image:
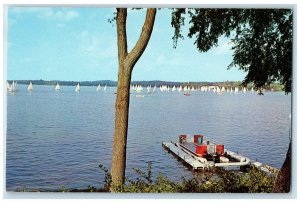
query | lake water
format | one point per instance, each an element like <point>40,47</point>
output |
<point>60,138</point>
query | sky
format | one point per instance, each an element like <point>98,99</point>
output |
<point>79,44</point>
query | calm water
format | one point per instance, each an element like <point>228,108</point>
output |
<point>60,138</point>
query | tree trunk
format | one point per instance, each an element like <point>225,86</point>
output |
<point>283,180</point>
<point>121,126</point>
<point>126,64</point>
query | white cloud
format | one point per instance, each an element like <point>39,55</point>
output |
<point>48,13</point>
<point>24,9</point>
<point>60,15</point>
<point>92,44</point>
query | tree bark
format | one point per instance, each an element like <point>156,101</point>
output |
<point>283,180</point>
<point>126,64</point>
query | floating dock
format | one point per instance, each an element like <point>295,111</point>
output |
<point>184,156</point>
<point>199,162</point>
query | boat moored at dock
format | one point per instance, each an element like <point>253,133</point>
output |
<point>201,152</point>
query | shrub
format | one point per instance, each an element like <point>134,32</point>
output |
<point>222,181</point>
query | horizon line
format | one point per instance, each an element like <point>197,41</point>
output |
<point>117,81</point>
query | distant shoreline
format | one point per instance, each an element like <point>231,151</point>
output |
<point>114,83</point>
<point>158,83</point>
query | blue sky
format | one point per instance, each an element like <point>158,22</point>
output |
<point>78,44</point>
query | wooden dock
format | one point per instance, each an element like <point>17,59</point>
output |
<point>184,156</point>
<point>197,163</point>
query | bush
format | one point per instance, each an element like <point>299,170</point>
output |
<point>254,181</point>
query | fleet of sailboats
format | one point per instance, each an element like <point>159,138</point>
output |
<point>11,87</point>
<point>163,88</point>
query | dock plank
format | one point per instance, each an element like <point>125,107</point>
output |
<point>190,160</point>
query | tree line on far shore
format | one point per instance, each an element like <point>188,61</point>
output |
<point>273,86</point>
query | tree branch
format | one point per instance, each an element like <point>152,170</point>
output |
<point>143,40</point>
<point>121,33</point>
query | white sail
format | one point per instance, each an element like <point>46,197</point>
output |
<point>154,88</point>
<point>57,87</point>
<point>98,87</point>
<point>77,89</point>
<point>236,89</point>
<point>8,86</point>
<point>180,88</point>
<point>174,88</point>
<point>139,88</point>
<point>30,87</point>
<point>14,86</point>
<point>105,87</point>
<point>244,90</point>
<point>149,89</point>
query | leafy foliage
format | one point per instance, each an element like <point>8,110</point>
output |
<point>261,38</point>
<point>107,179</point>
<point>219,181</point>
<point>254,181</point>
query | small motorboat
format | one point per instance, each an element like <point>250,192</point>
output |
<point>201,152</point>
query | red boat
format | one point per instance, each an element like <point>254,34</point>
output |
<point>200,146</point>
<point>201,152</point>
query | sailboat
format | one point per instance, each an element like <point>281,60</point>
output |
<point>139,88</point>
<point>154,88</point>
<point>174,88</point>
<point>236,89</point>
<point>98,87</point>
<point>8,86</point>
<point>105,87</point>
<point>30,88</point>
<point>149,89</point>
<point>14,86</point>
<point>57,87</point>
<point>77,89</point>
<point>180,88</point>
